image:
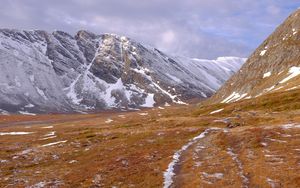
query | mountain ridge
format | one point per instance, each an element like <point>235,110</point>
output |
<point>56,72</point>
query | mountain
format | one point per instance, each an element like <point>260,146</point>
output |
<point>43,72</point>
<point>273,67</point>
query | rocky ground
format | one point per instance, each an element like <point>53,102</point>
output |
<point>251,143</point>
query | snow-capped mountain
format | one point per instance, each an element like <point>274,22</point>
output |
<point>273,67</point>
<point>44,72</point>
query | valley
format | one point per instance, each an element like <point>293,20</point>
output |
<point>103,110</point>
<point>176,146</point>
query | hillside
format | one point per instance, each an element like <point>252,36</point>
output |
<point>274,66</point>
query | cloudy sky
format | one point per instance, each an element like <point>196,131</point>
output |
<point>194,28</point>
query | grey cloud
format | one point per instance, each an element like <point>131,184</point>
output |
<point>196,28</point>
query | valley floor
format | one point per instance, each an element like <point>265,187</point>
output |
<point>179,146</point>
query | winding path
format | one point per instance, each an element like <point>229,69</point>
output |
<point>169,174</point>
<point>242,157</point>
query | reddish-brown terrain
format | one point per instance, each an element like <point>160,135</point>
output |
<point>135,149</point>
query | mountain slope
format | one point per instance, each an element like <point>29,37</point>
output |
<point>42,72</point>
<point>274,66</point>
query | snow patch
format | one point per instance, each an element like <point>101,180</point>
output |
<point>52,133</point>
<point>109,121</point>
<point>72,94</point>
<point>294,71</point>
<point>167,104</point>
<point>290,126</point>
<point>149,101</point>
<point>3,161</point>
<point>264,144</point>
<point>143,114</point>
<point>15,133</point>
<point>234,97</point>
<point>73,161</point>
<point>203,94</point>
<point>54,143</point>
<point>269,89</point>
<point>263,52</point>
<point>27,113</point>
<point>29,105</point>
<point>174,98</point>
<point>216,111</point>
<point>47,127</point>
<point>294,31</point>
<point>268,74</point>
<point>292,88</point>
<point>4,112</point>
<point>41,93</point>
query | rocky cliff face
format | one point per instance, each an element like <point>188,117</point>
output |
<point>42,72</point>
<point>274,66</point>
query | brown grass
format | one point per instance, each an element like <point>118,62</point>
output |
<point>135,151</point>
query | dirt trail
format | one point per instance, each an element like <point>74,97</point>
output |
<point>242,157</point>
<point>203,166</point>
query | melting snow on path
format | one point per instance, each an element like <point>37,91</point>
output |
<point>235,158</point>
<point>15,133</point>
<point>215,175</point>
<point>169,173</point>
<point>271,182</point>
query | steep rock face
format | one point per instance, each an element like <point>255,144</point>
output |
<point>42,72</point>
<point>274,66</point>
